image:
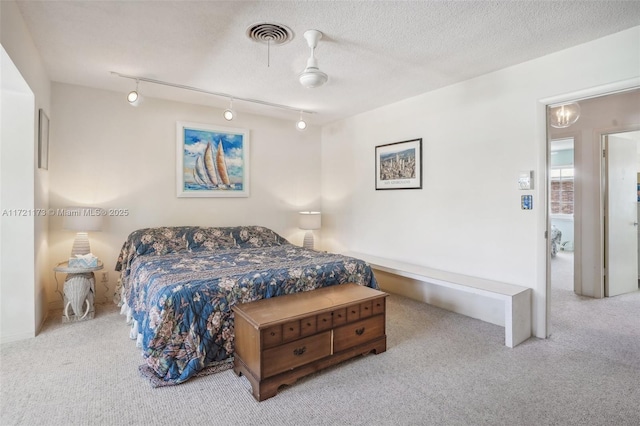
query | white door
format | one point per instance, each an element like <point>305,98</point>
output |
<point>621,222</point>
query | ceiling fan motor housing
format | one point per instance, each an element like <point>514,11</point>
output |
<point>312,77</point>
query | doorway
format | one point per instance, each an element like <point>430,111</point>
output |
<point>606,114</point>
<point>561,208</point>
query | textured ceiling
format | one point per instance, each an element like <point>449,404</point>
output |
<point>375,52</point>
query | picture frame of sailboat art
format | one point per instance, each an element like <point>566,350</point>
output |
<point>212,161</point>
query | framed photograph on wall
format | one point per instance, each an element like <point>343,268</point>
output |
<point>43,140</point>
<point>399,165</point>
<point>212,161</point>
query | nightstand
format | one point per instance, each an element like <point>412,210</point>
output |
<point>78,291</point>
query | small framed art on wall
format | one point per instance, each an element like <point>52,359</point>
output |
<point>399,165</point>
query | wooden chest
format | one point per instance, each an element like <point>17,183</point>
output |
<point>281,339</point>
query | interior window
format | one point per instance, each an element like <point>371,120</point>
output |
<point>562,190</point>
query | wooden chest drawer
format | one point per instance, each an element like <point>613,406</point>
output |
<point>353,313</point>
<point>308,326</point>
<point>377,306</point>
<point>365,309</point>
<point>324,321</point>
<point>295,354</point>
<point>339,317</point>
<point>290,331</point>
<point>356,333</point>
<point>272,336</point>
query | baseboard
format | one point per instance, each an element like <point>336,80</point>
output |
<point>14,337</point>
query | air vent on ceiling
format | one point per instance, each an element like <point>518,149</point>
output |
<point>269,33</point>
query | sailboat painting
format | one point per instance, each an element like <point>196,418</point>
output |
<point>212,161</point>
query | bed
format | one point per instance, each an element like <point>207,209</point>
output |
<point>177,286</point>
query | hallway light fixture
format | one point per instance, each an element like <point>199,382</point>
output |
<point>301,124</point>
<point>131,98</point>
<point>134,97</point>
<point>229,114</point>
<point>563,116</point>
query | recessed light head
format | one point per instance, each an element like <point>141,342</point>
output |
<point>229,113</point>
<point>134,97</point>
<point>301,124</point>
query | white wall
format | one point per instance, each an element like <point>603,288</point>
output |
<point>477,136</point>
<point>109,154</point>
<point>17,202</point>
<point>30,310</point>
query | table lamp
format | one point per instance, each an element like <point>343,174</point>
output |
<point>82,220</point>
<point>309,221</point>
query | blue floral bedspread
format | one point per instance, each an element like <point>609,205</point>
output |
<point>182,300</point>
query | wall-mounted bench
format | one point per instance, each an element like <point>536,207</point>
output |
<point>517,299</point>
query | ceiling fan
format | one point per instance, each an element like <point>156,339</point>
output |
<point>312,77</point>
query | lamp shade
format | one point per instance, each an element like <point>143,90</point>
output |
<point>82,219</point>
<point>310,220</point>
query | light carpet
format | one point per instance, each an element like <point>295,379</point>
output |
<point>440,368</point>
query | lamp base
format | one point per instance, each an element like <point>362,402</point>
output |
<point>81,244</point>
<point>308,240</point>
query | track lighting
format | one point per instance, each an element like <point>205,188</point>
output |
<point>228,113</point>
<point>301,124</point>
<point>134,97</point>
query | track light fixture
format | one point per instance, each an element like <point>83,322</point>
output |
<point>301,124</point>
<point>229,114</point>
<point>134,97</point>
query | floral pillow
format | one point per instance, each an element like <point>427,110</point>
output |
<point>151,241</point>
<point>257,236</point>
<point>201,238</point>
<point>160,241</point>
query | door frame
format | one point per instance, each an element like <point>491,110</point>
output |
<point>543,264</point>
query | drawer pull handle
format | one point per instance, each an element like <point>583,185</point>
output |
<point>308,324</point>
<point>324,320</point>
<point>353,312</point>
<point>290,328</point>
<point>273,333</point>
<point>300,351</point>
<point>359,331</point>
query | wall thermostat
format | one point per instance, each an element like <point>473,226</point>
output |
<point>525,180</point>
